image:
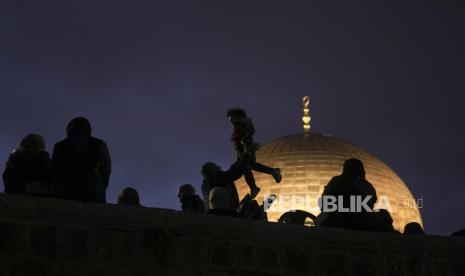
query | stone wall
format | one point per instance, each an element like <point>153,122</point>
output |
<point>41,236</point>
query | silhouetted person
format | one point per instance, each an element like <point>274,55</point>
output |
<point>243,131</point>
<point>350,185</point>
<point>413,228</point>
<point>250,209</point>
<point>29,168</point>
<point>213,177</point>
<point>129,196</point>
<point>81,164</point>
<point>220,203</point>
<point>296,217</point>
<point>191,203</point>
<point>385,221</point>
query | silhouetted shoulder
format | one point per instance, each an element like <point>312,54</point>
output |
<point>61,143</point>
<point>96,140</point>
<point>332,184</point>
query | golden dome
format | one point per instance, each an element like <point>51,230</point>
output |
<point>309,160</point>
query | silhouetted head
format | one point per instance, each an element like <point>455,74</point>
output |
<point>78,127</point>
<point>219,199</point>
<point>186,191</point>
<point>236,114</point>
<point>129,196</point>
<point>353,167</point>
<point>32,142</point>
<point>209,170</point>
<point>413,228</point>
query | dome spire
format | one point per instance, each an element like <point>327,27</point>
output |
<point>306,118</point>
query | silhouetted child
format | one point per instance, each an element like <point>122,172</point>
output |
<point>81,164</point>
<point>243,131</point>
<point>29,168</point>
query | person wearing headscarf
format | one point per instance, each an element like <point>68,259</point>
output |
<point>346,191</point>
<point>28,166</point>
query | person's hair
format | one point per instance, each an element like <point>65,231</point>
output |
<point>129,196</point>
<point>354,167</point>
<point>186,189</point>
<point>413,228</point>
<point>33,142</point>
<point>79,126</point>
<point>236,112</point>
<point>208,168</point>
<point>219,198</point>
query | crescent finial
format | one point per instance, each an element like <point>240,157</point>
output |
<point>306,118</point>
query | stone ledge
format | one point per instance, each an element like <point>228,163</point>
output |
<point>45,236</point>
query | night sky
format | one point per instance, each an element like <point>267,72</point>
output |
<point>155,79</point>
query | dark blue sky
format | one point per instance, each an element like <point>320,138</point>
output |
<point>155,78</point>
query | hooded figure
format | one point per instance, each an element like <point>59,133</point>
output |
<point>81,164</point>
<point>351,185</point>
<point>27,165</point>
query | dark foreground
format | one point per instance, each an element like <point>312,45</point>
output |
<point>45,236</point>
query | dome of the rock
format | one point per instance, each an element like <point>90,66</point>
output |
<point>309,160</point>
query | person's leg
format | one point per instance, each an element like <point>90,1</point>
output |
<point>250,180</point>
<point>275,172</point>
<point>261,168</point>
<point>248,176</point>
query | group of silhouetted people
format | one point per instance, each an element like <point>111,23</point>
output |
<point>221,197</point>
<point>218,201</point>
<point>80,169</point>
<point>219,191</point>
